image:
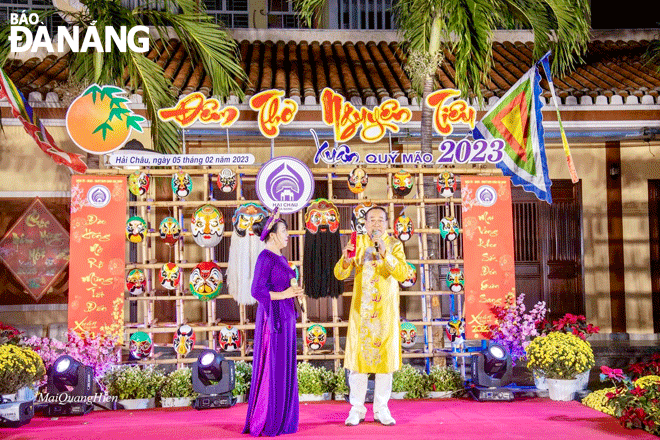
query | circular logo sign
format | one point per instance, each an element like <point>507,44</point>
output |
<point>286,183</point>
<point>98,196</point>
<point>486,195</point>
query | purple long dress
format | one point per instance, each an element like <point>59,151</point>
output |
<point>273,403</point>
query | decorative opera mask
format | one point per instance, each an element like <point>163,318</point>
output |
<point>402,183</point>
<point>140,345</point>
<point>181,184</point>
<point>455,330</point>
<point>230,338</point>
<point>247,215</point>
<point>358,217</point>
<point>446,184</point>
<point>206,280</point>
<point>136,282</point>
<point>138,183</point>
<point>170,230</point>
<point>227,180</point>
<point>455,280</point>
<point>169,276</point>
<point>408,334</point>
<point>357,180</point>
<point>136,229</point>
<point>411,278</point>
<point>449,228</point>
<point>184,339</point>
<point>297,271</point>
<point>322,214</point>
<point>403,228</point>
<point>315,336</point>
<point>207,227</point>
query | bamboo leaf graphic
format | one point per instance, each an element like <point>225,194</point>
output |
<point>105,127</point>
<point>109,91</point>
<point>132,121</point>
<point>116,101</point>
<point>94,90</point>
<point>117,112</point>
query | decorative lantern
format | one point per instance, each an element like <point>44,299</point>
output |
<point>138,183</point>
<point>170,230</point>
<point>184,340</point>
<point>207,227</point>
<point>315,336</point>
<point>408,334</point>
<point>322,214</point>
<point>358,217</point>
<point>411,278</point>
<point>247,215</point>
<point>136,229</point>
<point>181,184</point>
<point>206,280</point>
<point>357,180</point>
<point>449,228</point>
<point>455,280</point>
<point>169,276</point>
<point>446,184</point>
<point>403,228</point>
<point>227,180</point>
<point>140,345</point>
<point>230,338</point>
<point>402,183</point>
<point>136,282</point>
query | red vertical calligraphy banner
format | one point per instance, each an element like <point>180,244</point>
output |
<point>97,250</point>
<point>487,249</point>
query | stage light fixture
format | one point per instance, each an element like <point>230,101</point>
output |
<point>491,371</point>
<point>213,378</point>
<point>15,414</point>
<point>69,382</point>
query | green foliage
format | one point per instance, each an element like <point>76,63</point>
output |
<point>243,378</point>
<point>444,379</point>
<point>178,384</point>
<point>314,380</point>
<point>339,385</point>
<point>134,381</point>
<point>19,367</point>
<point>411,381</point>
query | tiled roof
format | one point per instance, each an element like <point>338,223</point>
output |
<point>366,72</point>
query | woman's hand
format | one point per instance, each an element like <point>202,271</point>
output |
<point>291,292</point>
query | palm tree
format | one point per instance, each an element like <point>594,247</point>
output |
<point>204,40</point>
<point>433,29</point>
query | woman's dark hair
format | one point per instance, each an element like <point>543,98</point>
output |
<point>258,228</point>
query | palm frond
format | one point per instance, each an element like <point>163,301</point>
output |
<point>308,10</point>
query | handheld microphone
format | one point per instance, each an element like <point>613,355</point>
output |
<point>374,235</point>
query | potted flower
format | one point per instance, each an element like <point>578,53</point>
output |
<point>442,382</point>
<point>339,388</point>
<point>408,383</point>
<point>242,382</point>
<point>561,357</point>
<point>314,383</point>
<point>135,386</point>
<point>177,388</point>
<point>19,367</point>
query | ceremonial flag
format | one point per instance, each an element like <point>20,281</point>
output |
<point>516,118</point>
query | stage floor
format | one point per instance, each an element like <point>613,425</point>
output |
<point>531,418</point>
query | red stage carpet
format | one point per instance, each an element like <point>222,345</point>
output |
<point>426,419</point>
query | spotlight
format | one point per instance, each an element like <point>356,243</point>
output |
<point>15,414</point>
<point>69,386</point>
<point>491,370</point>
<point>213,378</point>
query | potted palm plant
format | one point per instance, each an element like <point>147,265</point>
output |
<point>134,386</point>
<point>242,382</point>
<point>314,383</point>
<point>177,389</point>
<point>443,382</point>
<point>408,383</point>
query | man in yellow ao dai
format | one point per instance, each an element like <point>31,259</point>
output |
<point>373,342</point>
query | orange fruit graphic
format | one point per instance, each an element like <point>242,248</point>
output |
<point>98,121</point>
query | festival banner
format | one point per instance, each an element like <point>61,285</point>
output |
<point>488,246</point>
<point>97,246</point>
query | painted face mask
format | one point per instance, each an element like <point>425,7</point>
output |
<point>138,183</point>
<point>357,180</point>
<point>358,217</point>
<point>447,184</point>
<point>455,280</point>
<point>136,282</point>
<point>247,215</point>
<point>181,184</point>
<point>207,226</point>
<point>206,280</point>
<point>402,183</point>
<point>411,278</point>
<point>140,345</point>
<point>403,228</point>
<point>169,276</point>
<point>184,339</point>
<point>455,330</point>
<point>296,270</point>
<point>136,229</point>
<point>229,338</point>
<point>169,230</point>
<point>408,334</point>
<point>227,180</point>
<point>315,336</point>
<point>322,214</point>
<point>449,228</point>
